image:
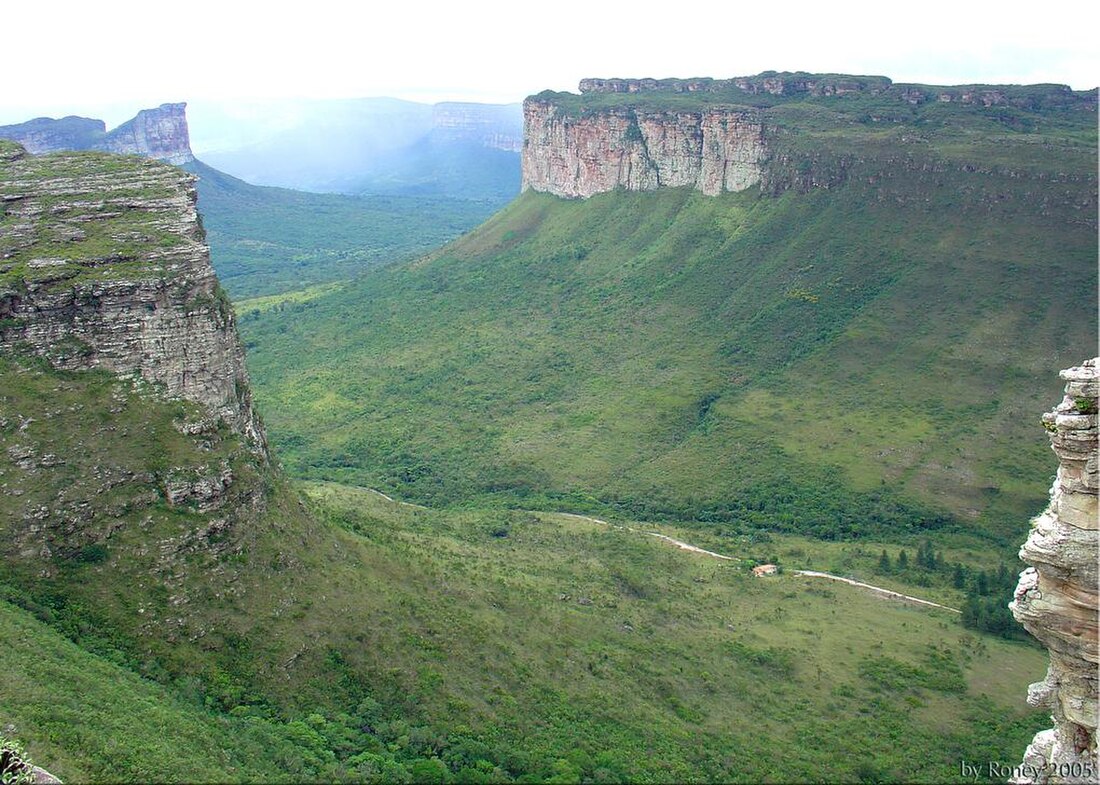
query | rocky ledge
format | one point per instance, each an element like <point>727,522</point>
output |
<point>1056,598</point>
<point>104,264</point>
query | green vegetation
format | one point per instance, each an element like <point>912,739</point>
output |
<point>641,353</point>
<point>357,638</point>
<point>863,100</point>
<point>841,379</point>
<point>16,768</point>
<point>512,646</point>
<point>107,236</point>
<point>267,241</point>
<point>986,607</point>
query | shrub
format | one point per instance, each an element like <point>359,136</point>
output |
<point>15,766</point>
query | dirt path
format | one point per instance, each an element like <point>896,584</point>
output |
<point>805,573</point>
<point>877,589</point>
<point>397,501</point>
<point>686,546</point>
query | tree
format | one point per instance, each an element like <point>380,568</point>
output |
<point>903,561</point>
<point>884,562</point>
<point>981,585</point>
<point>959,578</point>
<point>925,556</point>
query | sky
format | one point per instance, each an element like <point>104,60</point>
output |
<point>110,58</point>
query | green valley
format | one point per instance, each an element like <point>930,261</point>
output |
<point>272,240</point>
<point>359,639</point>
<point>593,419</point>
<point>831,362</point>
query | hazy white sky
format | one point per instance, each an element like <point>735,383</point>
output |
<point>110,58</point>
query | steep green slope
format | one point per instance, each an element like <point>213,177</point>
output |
<point>512,646</point>
<point>364,639</point>
<point>272,240</point>
<point>89,719</point>
<point>801,362</point>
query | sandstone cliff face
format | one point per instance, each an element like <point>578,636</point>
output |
<point>159,133</point>
<point>1056,598</point>
<point>103,264</point>
<point>714,150</point>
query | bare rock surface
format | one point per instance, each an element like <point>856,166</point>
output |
<point>159,133</point>
<point>104,264</point>
<point>713,151</point>
<point>1056,598</point>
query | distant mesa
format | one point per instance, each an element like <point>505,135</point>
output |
<point>796,83</point>
<point>495,126</point>
<point>159,133</point>
<point>728,135</point>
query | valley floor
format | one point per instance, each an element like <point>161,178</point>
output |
<point>535,646</point>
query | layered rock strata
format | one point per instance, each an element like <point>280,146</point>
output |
<point>1056,598</point>
<point>714,150</point>
<point>159,133</point>
<point>786,84</point>
<point>104,264</point>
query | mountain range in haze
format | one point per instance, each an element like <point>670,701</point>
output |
<point>353,146</point>
<point>367,145</point>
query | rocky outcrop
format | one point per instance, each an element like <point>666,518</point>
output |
<point>795,84</point>
<point>159,133</point>
<point>1056,598</point>
<point>775,130</point>
<point>104,264</point>
<point>713,150</point>
<point>496,126</point>
<point>769,82</point>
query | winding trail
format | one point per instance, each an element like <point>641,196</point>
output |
<point>687,546</point>
<point>877,589</point>
<point>397,501</point>
<point>894,595</point>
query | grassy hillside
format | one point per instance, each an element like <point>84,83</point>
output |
<point>512,646</point>
<point>858,360</point>
<point>86,718</point>
<point>267,241</point>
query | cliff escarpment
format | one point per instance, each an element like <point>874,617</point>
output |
<point>793,131</point>
<point>712,151</point>
<point>159,133</point>
<point>1056,598</point>
<point>104,264</point>
<point>140,511</point>
<point>800,84</point>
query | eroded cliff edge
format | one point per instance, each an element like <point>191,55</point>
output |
<point>712,151</point>
<point>104,264</point>
<point>781,132</point>
<point>1056,598</point>
<point>159,133</point>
